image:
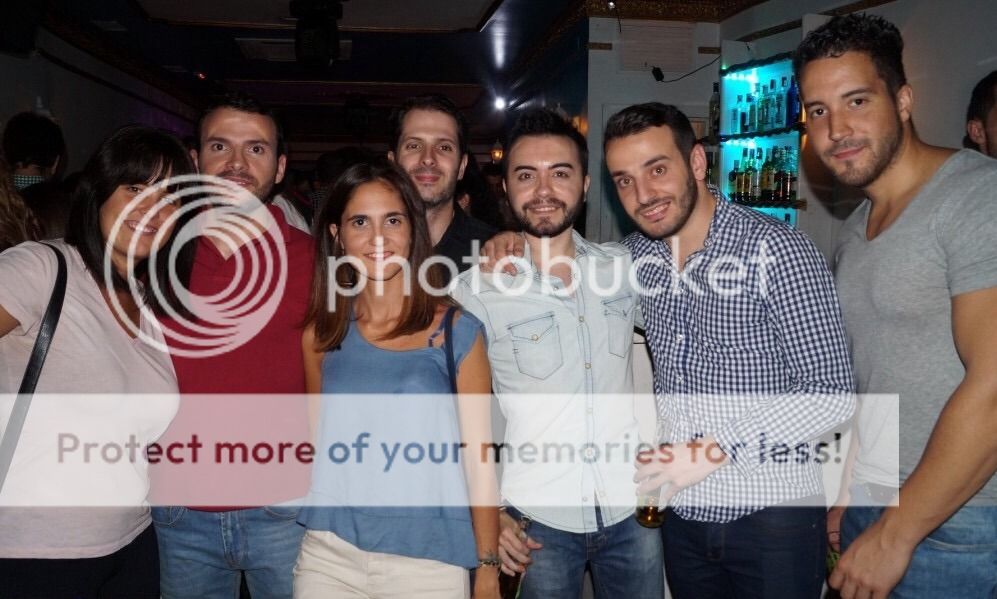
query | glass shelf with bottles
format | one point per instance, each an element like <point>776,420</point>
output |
<point>759,138</point>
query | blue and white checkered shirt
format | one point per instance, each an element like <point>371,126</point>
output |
<point>748,346</point>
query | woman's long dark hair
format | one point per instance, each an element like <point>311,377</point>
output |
<point>419,306</point>
<point>133,154</point>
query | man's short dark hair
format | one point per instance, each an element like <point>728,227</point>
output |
<point>872,35</point>
<point>539,122</point>
<point>243,102</point>
<point>983,99</point>
<point>434,102</point>
<point>641,117</point>
<point>32,139</point>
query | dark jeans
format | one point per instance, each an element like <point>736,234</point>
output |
<point>132,572</point>
<point>776,553</point>
<point>625,559</point>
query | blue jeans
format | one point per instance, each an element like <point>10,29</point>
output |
<point>774,553</point>
<point>202,554</point>
<point>625,560</point>
<point>958,559</point>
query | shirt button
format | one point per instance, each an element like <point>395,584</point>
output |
<point>680,338</point>
<point>679,378</point>
<point>589,453</point>
<point>533,337</point>
<point>588,410</point>
<point>588,365</point>
<point>585,499</point>
<point>581,319</point>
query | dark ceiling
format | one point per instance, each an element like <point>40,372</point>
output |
<point>193,52</point>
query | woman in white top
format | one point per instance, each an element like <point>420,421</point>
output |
<point>75,523</point>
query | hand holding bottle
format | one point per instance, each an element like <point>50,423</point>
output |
<point>514,545</point>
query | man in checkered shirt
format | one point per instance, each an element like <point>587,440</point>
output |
<point>750,368</point>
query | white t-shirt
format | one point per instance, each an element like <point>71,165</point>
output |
<point>91,357</point>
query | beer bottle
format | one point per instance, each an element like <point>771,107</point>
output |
<point>509,585</point>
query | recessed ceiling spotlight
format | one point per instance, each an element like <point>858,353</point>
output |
<point>500,103</point>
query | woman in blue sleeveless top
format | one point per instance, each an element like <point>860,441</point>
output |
<point>388,514</point>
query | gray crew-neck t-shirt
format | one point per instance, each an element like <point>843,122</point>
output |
<point>896,298</point>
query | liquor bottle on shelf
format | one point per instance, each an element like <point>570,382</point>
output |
<point>763,108</point>
<point>715,111</point>
<point>792,103</point>
<point>767,177</point>
<point>756,178</point>
<point>743,108</point>
<point>735,115</point>
<point>779,114</point>
<point>743,179</point>
<point>778,194</point>
<point>732,186</point>
<point>770,114</point>
<point>753,180</point>
<point>790,182</point>
<point>752,113</point>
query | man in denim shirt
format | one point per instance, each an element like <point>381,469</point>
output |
<point>559,342</point>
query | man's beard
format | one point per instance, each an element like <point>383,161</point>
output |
<point>260,190</point>
<point>441,198</point>
<point>683,206</point>
<point>444,196</point>
<point>883,154</point>
<point>546,227</point>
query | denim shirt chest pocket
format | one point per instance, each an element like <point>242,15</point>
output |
<point>619,322</point>
<point>536,344</point>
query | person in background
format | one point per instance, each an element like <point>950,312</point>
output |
<point>33,146</point>
<point>981,116</point>
<point>92,551</point>
<point>17,221</point>
<point>330,166</point>
<point>388,340</point>
<point>494,177</point>
<point>474,197</point>
<point>430,144</point>
<point>916,271</point>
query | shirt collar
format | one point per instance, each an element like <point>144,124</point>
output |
<point>720,215</point>
<point>526,264</point>
<point>279,223</point>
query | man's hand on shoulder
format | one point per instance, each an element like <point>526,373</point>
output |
<point>498,250</point>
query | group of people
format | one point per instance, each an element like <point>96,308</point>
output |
<point>756,346</point>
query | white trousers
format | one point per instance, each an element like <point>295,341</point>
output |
<point>330,567</point>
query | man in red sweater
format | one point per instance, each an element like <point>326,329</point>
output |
<point>205,550</point>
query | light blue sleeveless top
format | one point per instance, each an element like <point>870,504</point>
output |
<point>416,504</point>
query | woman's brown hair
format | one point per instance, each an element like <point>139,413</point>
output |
<point>419,308</point>
<point>17,221</point>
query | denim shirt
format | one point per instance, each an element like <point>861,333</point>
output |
<point>561,367</point>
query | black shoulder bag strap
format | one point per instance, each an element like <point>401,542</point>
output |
<point>448,347</point>
<point>12,432</point>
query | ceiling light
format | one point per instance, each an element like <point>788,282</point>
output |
<point>611,5</point>
<point>500,103</point>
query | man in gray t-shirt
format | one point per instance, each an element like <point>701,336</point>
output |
<point>916,271</point>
